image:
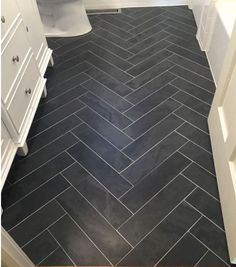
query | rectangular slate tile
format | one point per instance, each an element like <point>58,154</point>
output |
<point>148,52</point>
<point>103,127</point>
<point>97,195</point>
<point>107,95</point>
<point>36,223</point>
<point>59,101</point>
<point>114,182</point>
<point>114,85</point>
<point>193,90</point>
<point>29,164</point>
<point>58,257</point>
<point>150,87</point>
<point>52,133</point>
<point>199,155</point>
<point>15,214</point>
<point>18,190</point>
<point>150,102</point>
<point>196,136</point>
<point>181,34</point>
<point>192,66</point>
<point>181,26</point>
<point>212,237</point>
<point>207,205</point>
<point>117,22</point>
<point>152,248</point>
<point>96,227</point>
<point>153,136</point>
<point>154,181</point>
<point>180,15</point>
<point>145,219</point>
<point>193,251</point>
<point>194,78</point>
<point>203,179</point>
<point>153,158</point>
<point>151,118</point>
<point>149,62</point>
<point>189,55</point>
<point>54,117</point>
<point>110,57</point>
<point>106,111</point>
<point>102,147</point>
<point>193,103</point>
<point>111,69</point>
<point>117,50</point>
<point>149,74</point>
<point>146,42</point>
<point>40,247</point>
<point>76,244</point>
<point>192,117</point>
<point>211,260</point>
<point>60,89</point>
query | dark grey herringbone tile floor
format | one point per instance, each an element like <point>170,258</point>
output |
<point>120,169</point>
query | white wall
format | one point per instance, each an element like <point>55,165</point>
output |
<point>103,4</point>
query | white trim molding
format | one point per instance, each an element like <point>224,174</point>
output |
<point>106,4</point>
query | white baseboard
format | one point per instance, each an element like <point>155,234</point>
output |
<point>106,4</point>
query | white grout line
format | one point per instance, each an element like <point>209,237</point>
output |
<point>176,243</point>
<point>37,210</point>
<point>38,264</point>
<point>90,204</point>
<point>208,248</point>
<point>196,264</point>
<point>61,247</point>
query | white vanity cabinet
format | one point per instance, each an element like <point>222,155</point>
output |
<point>25,56</point>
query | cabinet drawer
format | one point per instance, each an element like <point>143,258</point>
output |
<point>13,57</point>
<point>20,105</point>
<point>9,13</point>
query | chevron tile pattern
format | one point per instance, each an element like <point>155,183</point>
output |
<point>120,168</point>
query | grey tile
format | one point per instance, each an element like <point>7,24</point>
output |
<point>102,234</point>
<point>151,214</point>
<point>76,244</point>
<point>108,81</point>
<point>15,192</point>
<point>198,137</point>
<point>22,209</point>
<point>199,155</point>
<point>111,179</point>
<point>202,178</point>
<point>36,223</point>
<point>211,260</point>
<point>155,181</point>
<point>149,74</point>
<point>151,118</point>
<point>140,168</point>
<point>58,257</point>
<point>181,34</point>
<point>193,251</point>
<point>150,102</point>
<point>40,247</point>
<point>207,205</point>
<point>106,111</point>
<point>29,164</point>
<point>117,22</point>
<point>152,14</point>
<point>104,149</point>
<point>162,238</point>
<point>212,237</point>
<point>193,103</point>
<point>97,195</point>
<point>151,87</point>
<point>107,95</point>
<point>151,137</point>
<point>103,127</point>
<point>181,26</point>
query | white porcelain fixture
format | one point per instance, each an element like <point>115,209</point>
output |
<point>64,18</point>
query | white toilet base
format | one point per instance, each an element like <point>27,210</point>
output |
<point>64,18</point>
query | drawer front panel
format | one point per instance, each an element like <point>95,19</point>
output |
<point>20,105</point>
<point>13,57</point>
<point>9,13</point>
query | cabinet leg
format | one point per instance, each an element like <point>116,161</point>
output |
<point>23,151</point>
<point>51,61</point>
<point>45,92</point>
